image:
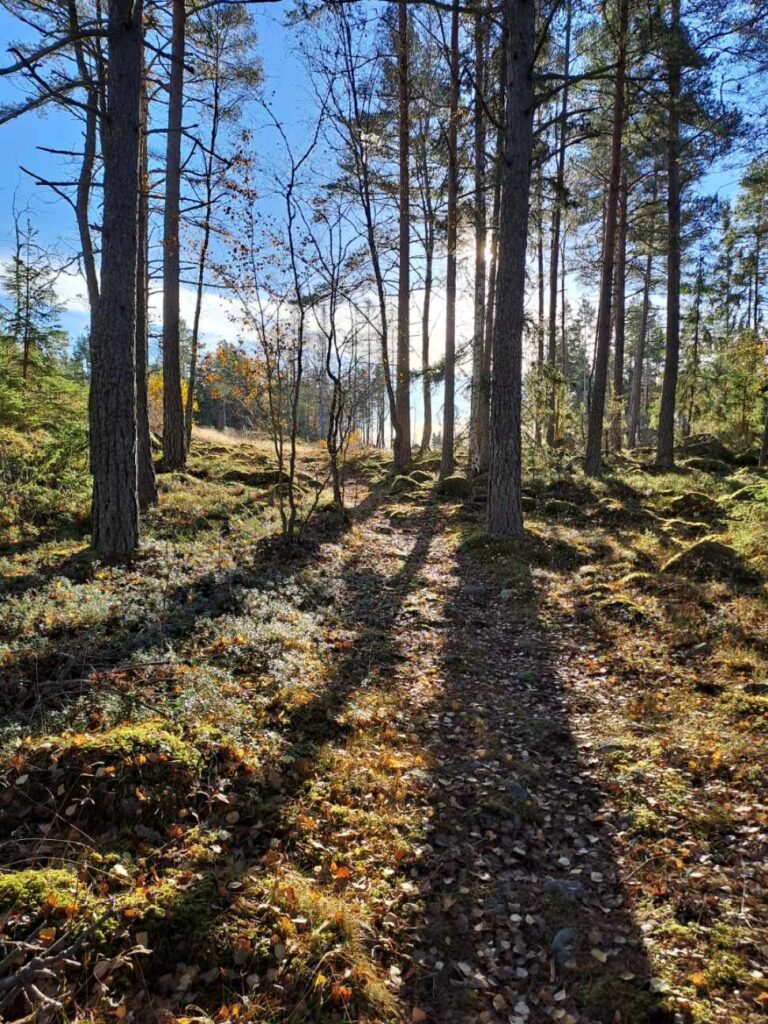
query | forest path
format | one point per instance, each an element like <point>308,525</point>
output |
<point>514,909</point>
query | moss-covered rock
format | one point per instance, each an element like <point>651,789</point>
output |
<point>707,465</point>
<point>709,559</point>
<point>403,485</point>
<point>136,774</point>
<point>560,508</point>
<point>421,476</point>
<point>707,447</point>
<point>693,505</point>
<point>256,477</point>
<point>455,487</point>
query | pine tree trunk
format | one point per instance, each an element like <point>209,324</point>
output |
<point>403,381</point>
<point>505,514</point>
<point>637,372</point>
<point>115,510</point>
<point>147,486</point>
<point>481,234</point>
<point>429,252</point>
<point>593,461</point>
<point>619,327</point>
<point>554,260</point>
<point>449,408</point>
<point>174,442</point>
<point>665,450</point>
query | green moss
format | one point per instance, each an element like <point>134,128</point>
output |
<point>455,487</point>
<point>32,888</point>
<point>610,998</point>
<point>149,737</point>
<point>646,822</point>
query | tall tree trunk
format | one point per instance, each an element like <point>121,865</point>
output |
<point>763,463</point>
<point>484,414</point>
<point>505,513</point>
<point>593,461</point>
<point>147,486</point>
<point>201,264</point>
<point>403,384</point>
<point>665,450</point>
<point>695,360</point>
<point>541,399</point>
<point>619,326</point>
<point>115,509</point>
<point>429,253</point>
<point>449,407</point>
<point>637,372</point>
<point>554,259</point>
<point>174,443</point>
<point>481,235</point>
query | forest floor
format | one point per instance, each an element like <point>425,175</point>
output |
<point>407,773</point>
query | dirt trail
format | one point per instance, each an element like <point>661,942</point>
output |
<point>515,910</point>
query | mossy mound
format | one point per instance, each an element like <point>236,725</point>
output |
<point>403,485</point>
<point>256,477</point>
<point>31,890</point>
<point>455,487</point>
<point>578,492</point>
<point>709,559</point>
<point>561,509</point>
<point>614,510</point>
<point>135,774</point>
<point>707,447</point>
<point>622,609</point>
<point>421,476</point>
<point>706,465</point>
<point>684,528</point>
<point>693,505</point>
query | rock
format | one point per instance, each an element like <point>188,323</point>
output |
<point>421,476</point>
<point>756,689</point>
<point>705,465</point>
<point>693,505</point>
<point>709,559</point>
<point>707,447</point>
<point>566,888</point>
<point>455,487</point>
<point>518,791</point>
<point>403,485</point>
<point>561,509</point>
<point>565,944</point>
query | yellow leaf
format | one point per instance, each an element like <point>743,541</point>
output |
<point>47,935</point>
<point>699,979</point>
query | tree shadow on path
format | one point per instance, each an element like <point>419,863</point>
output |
<point>524,917</point>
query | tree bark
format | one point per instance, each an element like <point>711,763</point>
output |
<point>481,236</point>
<point>593,461</point>
<point>505,514</point>
<point>449,407</point>
<point>637,372</point>
<point>147,486</point>
<point>115,509</point>
<point>174,442</point>
<point>201,264</point>
<point>554,259</point>
<point>403,379</point>
<point>619,328</point>
<point>665,450</point>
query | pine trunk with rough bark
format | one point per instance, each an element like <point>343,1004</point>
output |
<point>481,235</point>
<point>174,441</point>
<point>403,373</point>
<point>115,509</point>
<point>637,372</point>
<point>593,460</point>
<point>665,449</point>
<point>554,258</point>
<point>147,485</point>
<point>505,514</point>
<point>447,460</point>
<point>619,326</point>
